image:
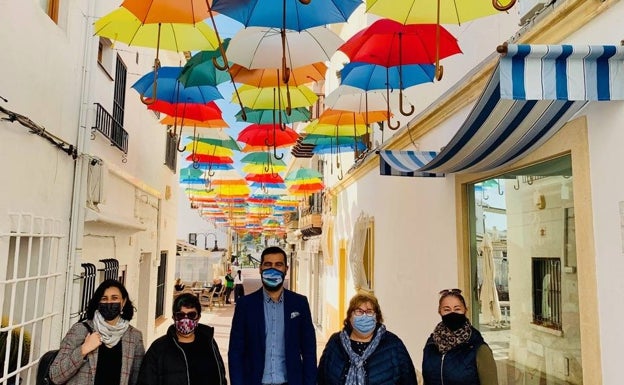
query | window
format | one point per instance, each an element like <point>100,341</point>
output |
<point>522,226</point>
<point>119,101</point>
<point>547,292</point>
<point>51,7</point>
<point>368,260</point>
<point>171,150</point>
<point>106,56</point>
<point>31,284</point>
<point>160,285</point>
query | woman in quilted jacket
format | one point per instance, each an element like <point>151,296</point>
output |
<point>364,352</point>
<point>108,354</point>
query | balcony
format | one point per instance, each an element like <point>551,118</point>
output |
<point>110,128</point>
<point>311,222</point>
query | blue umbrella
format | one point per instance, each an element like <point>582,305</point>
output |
<point>324,144</point>
<point>299,16</point>
<point>171,90</point>
<point>369,77</point>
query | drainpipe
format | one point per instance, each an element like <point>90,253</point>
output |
<point>79,190</point>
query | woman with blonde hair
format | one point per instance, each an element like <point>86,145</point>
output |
<point>365,352</point>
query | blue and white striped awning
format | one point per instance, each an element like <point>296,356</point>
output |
<point>549,84</point>
<point>403,163</point>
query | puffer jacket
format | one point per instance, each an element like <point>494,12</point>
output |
<point>390,363</point>
<point>458,366</point>
<point>165,362</point>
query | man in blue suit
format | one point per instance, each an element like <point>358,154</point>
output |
<point>272,340</point>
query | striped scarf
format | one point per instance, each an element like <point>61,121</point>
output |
<point>357,373</point>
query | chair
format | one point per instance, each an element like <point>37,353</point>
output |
<point>207,298</point>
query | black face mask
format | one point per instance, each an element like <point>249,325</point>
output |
<point>454,321</point>
<point>109,310</point>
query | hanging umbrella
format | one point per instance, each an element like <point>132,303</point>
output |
<point>376,77</point>
<point>294,15</point>
<point>265,98</point>
<point>216,138</point>
<point>197,147</point>
<point>261,168</point>
<point>341,117</point>
<point>209,123</point>
<point>193,111</point>
<point>303,174</point>
<point>168,11</point>
<point>268,135</point>
<point>171,90</point>
<point>264,178</point>
<point>316,128</point>
<point>262,158</point>
<point>200,69</point>
<point>263,116</point>
<point>255,47</point>
<point>210,159</point>
<point>431,11</point>
<point>267,77</point>
<point>330,144</point>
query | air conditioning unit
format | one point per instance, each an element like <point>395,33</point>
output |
<point>96,175</point>
<point>529,8</point>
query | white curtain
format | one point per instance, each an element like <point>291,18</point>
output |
<point>356,252</point>
<point>325,244</point>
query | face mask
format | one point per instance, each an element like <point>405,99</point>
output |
<point>272,279</point>
<point>186,326</point>
<point>454,321</point>
<point>109,310</point>
<point>364,324</point>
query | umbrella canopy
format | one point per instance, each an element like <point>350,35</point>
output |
<point>262,158</point>
<point>264,77</point>
<point>209,123</point>
<point>268,135</point>
<point>376,77</point>
<point>192,111</point>
<point>209,159</point>
<point>171,90</point>
<point>198,147</point>
<point>201,71</point>
<point>122,25</point>
<point>265,178</point>
<point>255,47</point>
<point>426,11</point>
<point>261,168</point>
<point>389,43</point>
<point>331,144</point>
<point>168,11</point>
<point>340,117</point>
<point>272,97</point>
<point>316,128</point>
<point>299,114</point>
<point>303,174</point>
<point>216,138</point>
<point>290,14</point>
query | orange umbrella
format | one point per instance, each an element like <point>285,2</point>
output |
<point>210,123</point>
<point>341,117</point>
<point>271,78</point>
<point>168,11</point>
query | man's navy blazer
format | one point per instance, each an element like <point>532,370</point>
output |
<point>247,340</point>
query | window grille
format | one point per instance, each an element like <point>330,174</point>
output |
<point>88,278</point>
<point>547,292</point>
<point>160,285</point>
<point>111,268</point>
<point>31,280</point>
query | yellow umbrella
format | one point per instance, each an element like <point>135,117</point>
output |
<point>317,128</point>
<point>262,168</point>
<point>276,97</point>
<point>198,147</point>
<point>121,25</point>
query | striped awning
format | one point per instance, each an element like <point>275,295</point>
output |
<point>403,163</point>
<point>548,84</point>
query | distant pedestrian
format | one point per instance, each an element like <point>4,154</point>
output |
<point>239,289</point>
<point>365,352</point>
<point>111,353</point>
<point>229,285</point>
<point>272,339</point>
<point>456,353</point>
<point>188,354</point>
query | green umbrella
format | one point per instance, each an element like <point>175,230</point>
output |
<point>201,71</point>
<point>217,138</point>
<point>262,158</point>
<point>299,114</point>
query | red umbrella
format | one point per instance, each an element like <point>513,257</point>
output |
<point>269,135</point>
<point>264,178</point>
<point>196,111</point>
<point>203,158</point>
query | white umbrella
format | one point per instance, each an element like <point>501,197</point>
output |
<point>256,47</point>
<point>490,306</point>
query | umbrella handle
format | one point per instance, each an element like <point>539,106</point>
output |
<point>288,105</point>
<point>499,7</point>
<point>275,154</point>
<point>401,105</point>
<point>218,66</point>
<point>439,71</point>
<point>152,100</point>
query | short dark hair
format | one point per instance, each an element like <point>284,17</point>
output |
<point>188,300</point>
<point>94,302</point>
<point>273,250</point>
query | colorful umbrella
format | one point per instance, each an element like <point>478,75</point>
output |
<point>216,138</point>
<point>262,158</point>
<point>264,77</point>
<point>432,11</point>
<point>376,77</point>
<point>168,11</point>
<point>171,90</point>
<point>328,129</point>
<point>209,123</point>
<point>299,114</point>
<point>341,117</point>
<point>269,135</point>
<point>200,70</point>
<point>261,168</point>
<point>272,97</point>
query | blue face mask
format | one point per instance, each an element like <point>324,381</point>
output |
<point>364,324</point>
<point>272,279</point>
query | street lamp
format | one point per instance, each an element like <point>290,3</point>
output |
<point>215,248</point>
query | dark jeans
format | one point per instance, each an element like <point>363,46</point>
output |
<point>228,290</point>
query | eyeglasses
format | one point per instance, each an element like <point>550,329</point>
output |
<point>369,312</point>
<point>180,315</point>
<point>446,292</point>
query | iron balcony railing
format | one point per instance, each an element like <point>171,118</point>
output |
<point>113,130</point>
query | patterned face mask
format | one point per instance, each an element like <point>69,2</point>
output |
<point>186,326</point>
<point>272,278</point>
